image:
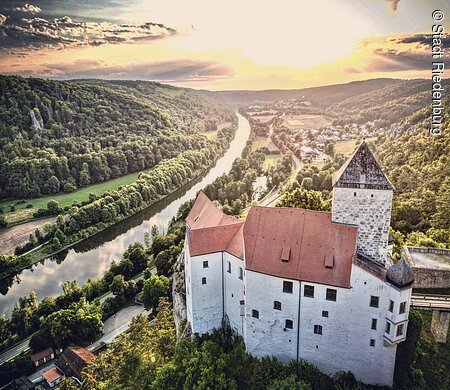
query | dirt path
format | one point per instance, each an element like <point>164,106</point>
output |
<point>18,235</point>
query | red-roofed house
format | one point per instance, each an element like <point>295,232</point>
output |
<point>53,376</point>
<point>41,357</point>
<point>304,284</point>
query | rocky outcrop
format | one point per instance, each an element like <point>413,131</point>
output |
<point>179,300</point>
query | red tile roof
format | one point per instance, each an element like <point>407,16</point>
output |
<point>210,230</point>
<point>285,242</point>
<point>311,239</point>
<point>52,375</point>
<point>41,354</point>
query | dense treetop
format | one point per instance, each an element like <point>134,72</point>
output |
<point>57,136</point>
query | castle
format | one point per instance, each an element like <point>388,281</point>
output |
<point>304,284</point>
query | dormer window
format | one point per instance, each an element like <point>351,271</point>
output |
<point>329,261</point>
<point>285,254</point>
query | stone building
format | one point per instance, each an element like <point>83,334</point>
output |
<point>304,284</point>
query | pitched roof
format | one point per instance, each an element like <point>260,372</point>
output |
<point>318,249</point>
<point>74,359</point>
<point>52,375</point>
<point>41,354</point>
<point>210,230</point>
<point>361,170</point>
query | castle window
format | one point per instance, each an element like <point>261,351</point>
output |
<point>402,309</point>
<point>308,291</point>
<point>203,280</point>
<point>400,330</point>
<point>391,305</point>
<point>372,342</point>
<point>288,287</point>
<point>241,273</point>
<point>371,195</point>
<point>289,324</point>
<point>354,194</point>
<point>277,305</point>
<point>374,301</point>
<point>205,264</point>
<point>374,323</point>
<point>331,294</point>
<point>324,313</point>
<point>388,327</point>
<point>229,267</point>
<point>318,329</point>
<point>255,313</point>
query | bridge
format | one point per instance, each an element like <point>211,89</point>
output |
<point>440,305</point>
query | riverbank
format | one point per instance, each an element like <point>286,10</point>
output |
<point>37,254</point>
<point>91,258</point>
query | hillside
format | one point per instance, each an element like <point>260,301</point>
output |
<point>388,105</point>
<point>57,136</point>
<point>418,165</point>
<point>320,96</point>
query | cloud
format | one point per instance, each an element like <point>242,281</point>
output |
<point>36,33</point>
<point>401,53</point>
<point>164,71</point>
<point>393,4</point>
<point>28,8</point>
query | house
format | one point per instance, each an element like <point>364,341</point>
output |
<point>73,360</point>
<point>42,357</point>
<point>304,284</point>
<point>53,376</point>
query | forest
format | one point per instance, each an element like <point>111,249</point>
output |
<point>58,136</point>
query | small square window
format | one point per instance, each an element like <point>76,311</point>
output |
<point>388,327</point>
<point>331,294</point>
<point>318,329</point>
<point>277,305</point>
<point>205,264</point>
<point>402,309</point>
<point>255,313</point>
<point>400,330</point>
<point>374,301</point>
<point>374,323</point>
<point>241,273</point>
<point>308,291</point>
<point>354,194</point>
<point>203,280</point>
<point>289,324</point>
<point>372,342</point>
<point>391,305</point>
<point>229,267</point>
<point>324,313</point>
<point>288,287</point>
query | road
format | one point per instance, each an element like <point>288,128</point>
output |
<point>24,345</point>
<point>14,351</point>
<point>118,323</point>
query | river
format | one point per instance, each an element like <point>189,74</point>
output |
<point>91,258</point>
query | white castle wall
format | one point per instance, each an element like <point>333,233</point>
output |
<point>267,335</point>
<point>370,210</point>
<point>234,291</point>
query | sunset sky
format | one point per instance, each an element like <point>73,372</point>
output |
<point>231,44</point>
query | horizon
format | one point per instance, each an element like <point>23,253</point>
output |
<point>221,47</point>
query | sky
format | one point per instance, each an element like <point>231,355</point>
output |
<point>221,45</point>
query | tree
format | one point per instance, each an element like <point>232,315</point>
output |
<point>118,285</point>
<point>304,199</point>
<point>53,207</point>
<point>52,185</point>
<point>3,223</point>
<point>155,287</point>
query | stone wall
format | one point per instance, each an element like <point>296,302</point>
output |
<point>370,210</point>
<point>431,278</point>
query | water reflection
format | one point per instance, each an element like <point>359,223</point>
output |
<point>90,259</point>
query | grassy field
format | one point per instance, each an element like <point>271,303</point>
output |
<point>271,159</point>
<point>23,214</point>
<point>211,134</point>
<point>347,147</point>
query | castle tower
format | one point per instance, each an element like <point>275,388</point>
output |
<point>362,196</point>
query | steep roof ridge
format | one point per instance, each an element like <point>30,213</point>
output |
<point>336,177</point>
<point>258,210</point>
